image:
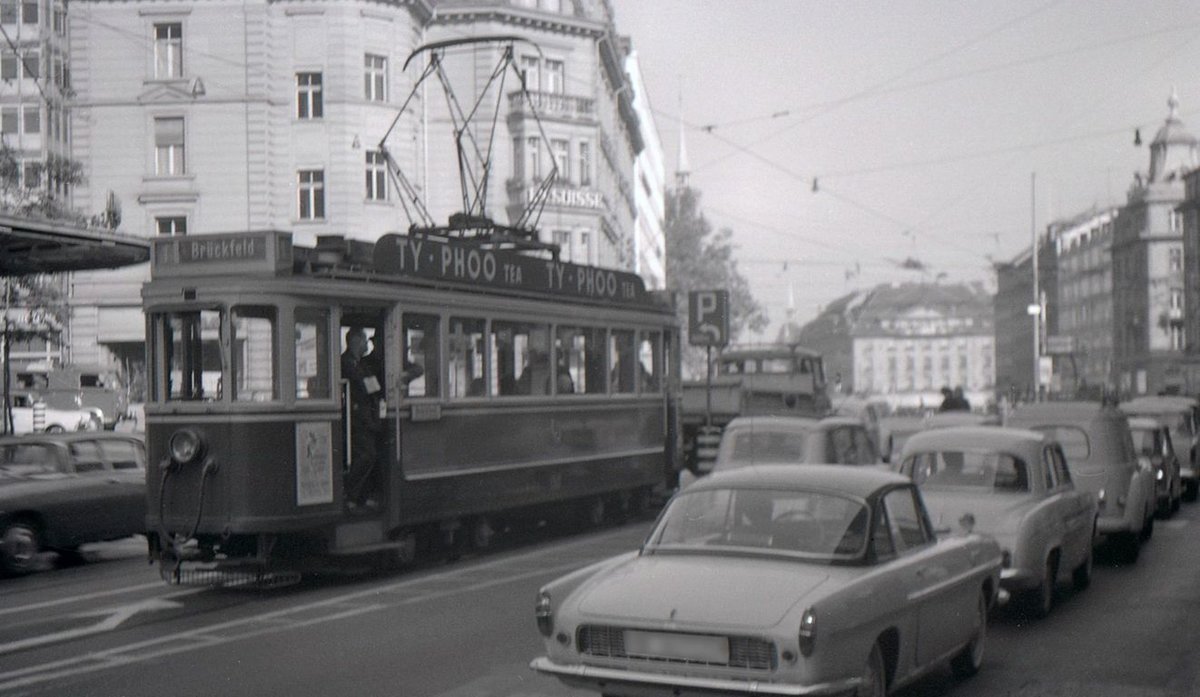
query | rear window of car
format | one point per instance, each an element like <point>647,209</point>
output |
<point>957,469</point>
<point>85,456</point>
<point>748,447</point>
<point>1074,441</point>
<point>124,454</point>
<point>26,459</point>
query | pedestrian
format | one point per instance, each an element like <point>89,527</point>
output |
<point>364,424</point>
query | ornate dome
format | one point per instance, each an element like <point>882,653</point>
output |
<point>1173,150</point>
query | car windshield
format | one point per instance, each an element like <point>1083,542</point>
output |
<point>1143,441</point>
<point>746,447</point>
<point>967,469</point>
<point>815,526</point>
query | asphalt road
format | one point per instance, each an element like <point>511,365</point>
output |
<point>110,627</point>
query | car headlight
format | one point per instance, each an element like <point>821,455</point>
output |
<point>808,632</point>
<point>544,614</point>
<point>186,446</point>
<point>1158,475</point>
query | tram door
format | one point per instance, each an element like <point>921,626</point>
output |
<point>364,406</point>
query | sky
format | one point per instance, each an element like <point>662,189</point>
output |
<point>941,131</point>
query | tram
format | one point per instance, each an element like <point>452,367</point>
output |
<point>509,383</point>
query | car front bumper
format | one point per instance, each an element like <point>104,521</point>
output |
<point>1019,579</point>
<point>630,682</point>
<point>1108,525</point>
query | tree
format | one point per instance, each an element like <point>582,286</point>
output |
<point>701,258</point>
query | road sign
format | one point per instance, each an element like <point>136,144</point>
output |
<point>1059,344</point>
<point>708,317</point>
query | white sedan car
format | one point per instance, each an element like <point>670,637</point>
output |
<point>1016,486</point>
<point>53,420</point>
<point>776,580</point>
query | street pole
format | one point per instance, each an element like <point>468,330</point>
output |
<point>708,385</point>
<point>1037,299</point>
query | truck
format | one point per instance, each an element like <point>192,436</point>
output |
<point>93,388</point>
<point>750,379</point>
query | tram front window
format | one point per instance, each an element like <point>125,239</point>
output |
<point>254,354</point>
<point>191,364</point>
<point>312,353</point>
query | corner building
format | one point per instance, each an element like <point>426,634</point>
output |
<point>221,116</point>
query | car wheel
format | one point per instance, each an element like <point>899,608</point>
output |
<point>1191,489</point>
<point>1148,528</point>
<point>874,677</point>
<point>1041,599</point>
<point>1082,575</point>
<point>1128,545</point>
<point>55,428</point>
<point>968,661</point>
<point>20,543</point>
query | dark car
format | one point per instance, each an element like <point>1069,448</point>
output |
<point>59,491</point>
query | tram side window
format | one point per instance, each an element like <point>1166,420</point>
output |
<point>465,356</point>
<point>521,358</point>
<point>622,362</point>
<point>191,355</point>
<point>312,353</point>
<point>580,360</point>
<point>650,361</point>
<point>420,349</point>
<point>254,374</point>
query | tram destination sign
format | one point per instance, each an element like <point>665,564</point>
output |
<point>468,262</point>
<point>268,252</point>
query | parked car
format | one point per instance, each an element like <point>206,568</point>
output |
<point>871,410</point>
<point>776,580</point>
<point>55,420</point>
<point>1016,486</point>
<point>59,491</point>
<point>1182,416</point>
<point>1098,444</point>
<point>760,440</point>
<point>1152,439</point>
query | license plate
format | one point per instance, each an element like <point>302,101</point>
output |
<point>688,647</point>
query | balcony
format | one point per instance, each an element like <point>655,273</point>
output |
<point>555,106</point>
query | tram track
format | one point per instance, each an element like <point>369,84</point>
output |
<point>183,620</point>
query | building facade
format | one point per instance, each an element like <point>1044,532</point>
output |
<point>1015,327</point>
<point>1081,349</point>
<point>1148,277</point>
<point>649,173</point>
<point>911,340</point>
<point>278,123</point>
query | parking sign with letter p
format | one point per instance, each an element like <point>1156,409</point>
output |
<point>708,317</point>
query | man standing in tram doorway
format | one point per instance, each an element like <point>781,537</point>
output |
<point>365,390</point>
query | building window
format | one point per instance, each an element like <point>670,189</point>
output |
<point>60,21</point>
<point>376,176</point>
<point>171,225</point>
<point>31,174</point>
<point>584,254</point>
<point>58,72</point>
<point>1176,298</point>
<point>1176,222</point>
<point>312,194</point>
<point>8,66</point>
<point>32,60</point>
<point>33,119</point>
<point>9,120</point>
<point>8,12</point>
<point>310,102</point>
<point>531,70</point>
<point>1175,256</point>
<point>585,163</point>
<point>533,168</point>
<point>1176,337</point>
<point>29,12</point>
<point>562,158</point>
<point>562,238</point>
<point>168,50</point>
<point>375,77</point>
<point>554,77</point>
<point>168,147</point>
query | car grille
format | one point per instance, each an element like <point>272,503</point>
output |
<point>751,653</point>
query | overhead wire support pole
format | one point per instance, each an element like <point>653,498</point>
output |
<point>1037,295</point>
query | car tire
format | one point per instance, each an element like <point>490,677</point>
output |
<point>1041,599</point>
<point>1148,528</point>
<point>874,676</point>
<point>55,428</point>
<point>968,661</point>
<point>20,543</point>
<point>1081,576</point>
<point>1127,545</point>
<point>1190,490</point>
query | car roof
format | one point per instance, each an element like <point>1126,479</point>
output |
<point>1064,412</point>
<point>1158,404</point>
<point>977,438</point>
<point>69,437</point>
<point>861,482</point>
<point>1145,422</point>
<point>794,423</point>
<point>769,351</point>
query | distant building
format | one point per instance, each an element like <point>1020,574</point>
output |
<point>1014,326</point>
<point>1148,277</point>
<point>907,341</point>
<point>1083,248</point>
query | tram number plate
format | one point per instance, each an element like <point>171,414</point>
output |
<point>426,412</point>
<point>687,647</point>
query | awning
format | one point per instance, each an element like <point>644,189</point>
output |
<point>44,246</point>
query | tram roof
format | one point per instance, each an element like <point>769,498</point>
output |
<point>44,246</point>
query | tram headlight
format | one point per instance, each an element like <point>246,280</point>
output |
<point>186,446</point>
